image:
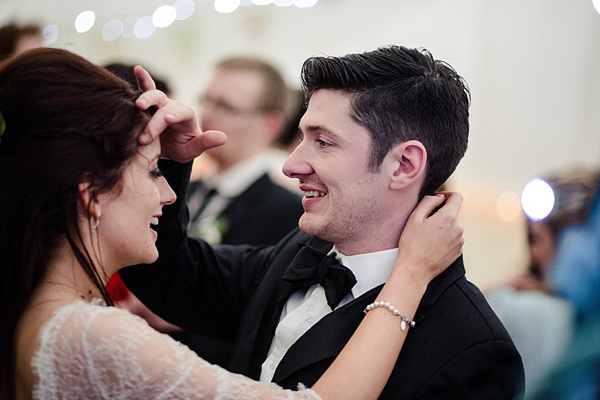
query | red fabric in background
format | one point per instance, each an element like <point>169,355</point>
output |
<point>116,288</point>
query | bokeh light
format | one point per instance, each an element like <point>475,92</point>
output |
<point>85,21</point>
<point>226,6</point>
<point>144,27</point>
<point>185,8</point>
<point>112,30</point>
<point>164,16</point>
<point>508,206</point>
<point>305,3</point>
<point>49,34</point>
<point>596,4</point>
<point>537,199</point>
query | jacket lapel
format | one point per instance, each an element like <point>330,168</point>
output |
<point>267,325</point>
<point>258,329</point>
<point>326,339</point>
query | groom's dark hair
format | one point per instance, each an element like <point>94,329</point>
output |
<point>401,94</point>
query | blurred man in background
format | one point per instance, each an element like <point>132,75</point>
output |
<point>16,39</point>
<point>238,203</point>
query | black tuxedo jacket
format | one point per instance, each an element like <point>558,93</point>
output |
<point>457,350</point>
<point>262,214</point>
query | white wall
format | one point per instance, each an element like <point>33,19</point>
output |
<point>533,67</point>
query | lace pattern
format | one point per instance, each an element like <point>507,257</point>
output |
<point>96,352</point>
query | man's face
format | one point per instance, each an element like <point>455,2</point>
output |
<point>27,42</point>
<point>231,105</point>
<point>342,198</point>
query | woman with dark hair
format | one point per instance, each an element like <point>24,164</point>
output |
<point>79,196</point>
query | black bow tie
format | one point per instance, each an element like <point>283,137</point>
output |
<point>311,266</point>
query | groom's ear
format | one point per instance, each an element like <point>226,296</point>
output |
<point>410,162</point>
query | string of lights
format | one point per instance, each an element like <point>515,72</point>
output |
<point>162,17</point>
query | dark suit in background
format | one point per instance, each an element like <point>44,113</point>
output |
<point>458,349</point>
<point>262,214</point>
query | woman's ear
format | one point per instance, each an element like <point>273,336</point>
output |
<point>410,160</point>
<point>88,200</point>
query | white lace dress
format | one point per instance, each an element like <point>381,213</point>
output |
<point>89,351</point>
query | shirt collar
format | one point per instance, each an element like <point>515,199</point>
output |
<point>370,269</point>
<point>241,176</point>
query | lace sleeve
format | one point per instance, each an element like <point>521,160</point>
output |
<point>88,351</point>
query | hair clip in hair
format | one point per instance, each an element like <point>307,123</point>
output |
<point>2,125</point>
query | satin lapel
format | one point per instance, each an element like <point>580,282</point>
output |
<point>327,338</point>
<point>267,325</point>
<point>257,330</point>
<point>253,313</point>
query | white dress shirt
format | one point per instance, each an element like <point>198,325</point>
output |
<point>305,308</point>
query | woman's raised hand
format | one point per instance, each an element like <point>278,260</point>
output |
<point>431,242</point>
<point>181,138</point>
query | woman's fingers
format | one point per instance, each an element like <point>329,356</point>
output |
<point>182,139</point>
<point>144,80</point>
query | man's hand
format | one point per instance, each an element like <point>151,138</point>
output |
<point>181,138</point>
<point>430,243</point>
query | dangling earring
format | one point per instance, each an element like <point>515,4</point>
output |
<point>95,224</point>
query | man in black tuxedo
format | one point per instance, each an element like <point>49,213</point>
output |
<point>382,129</point>
<point>241,201</point>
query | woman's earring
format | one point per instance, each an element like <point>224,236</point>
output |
<point>95,224</point>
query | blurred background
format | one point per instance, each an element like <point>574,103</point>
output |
<point>533,68</point>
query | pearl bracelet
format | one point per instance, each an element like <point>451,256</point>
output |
<point>405,321</point>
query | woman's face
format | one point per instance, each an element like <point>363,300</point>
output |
<point>541,244</point>
<point>127,216</point>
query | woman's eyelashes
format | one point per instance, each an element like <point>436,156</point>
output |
<point>156,173</point>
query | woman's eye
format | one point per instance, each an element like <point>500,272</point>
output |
<point>322,143</point>
<point>156,173</point>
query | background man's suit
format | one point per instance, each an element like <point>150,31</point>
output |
<point>262,214</point>
<point>458,349</point>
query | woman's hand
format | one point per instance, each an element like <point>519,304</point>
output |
<point>430,243</point>
<point>181,138</point>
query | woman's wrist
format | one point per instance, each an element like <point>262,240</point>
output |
<point>406,274</point>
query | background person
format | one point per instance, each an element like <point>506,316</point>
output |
<point>540,322</point>
<point>239,203</point>
<point>16,39</point>
<point>574,275</point>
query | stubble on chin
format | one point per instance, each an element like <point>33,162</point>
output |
<point>321,229</point>
<point>308,225</point>
<point>305,226</point>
